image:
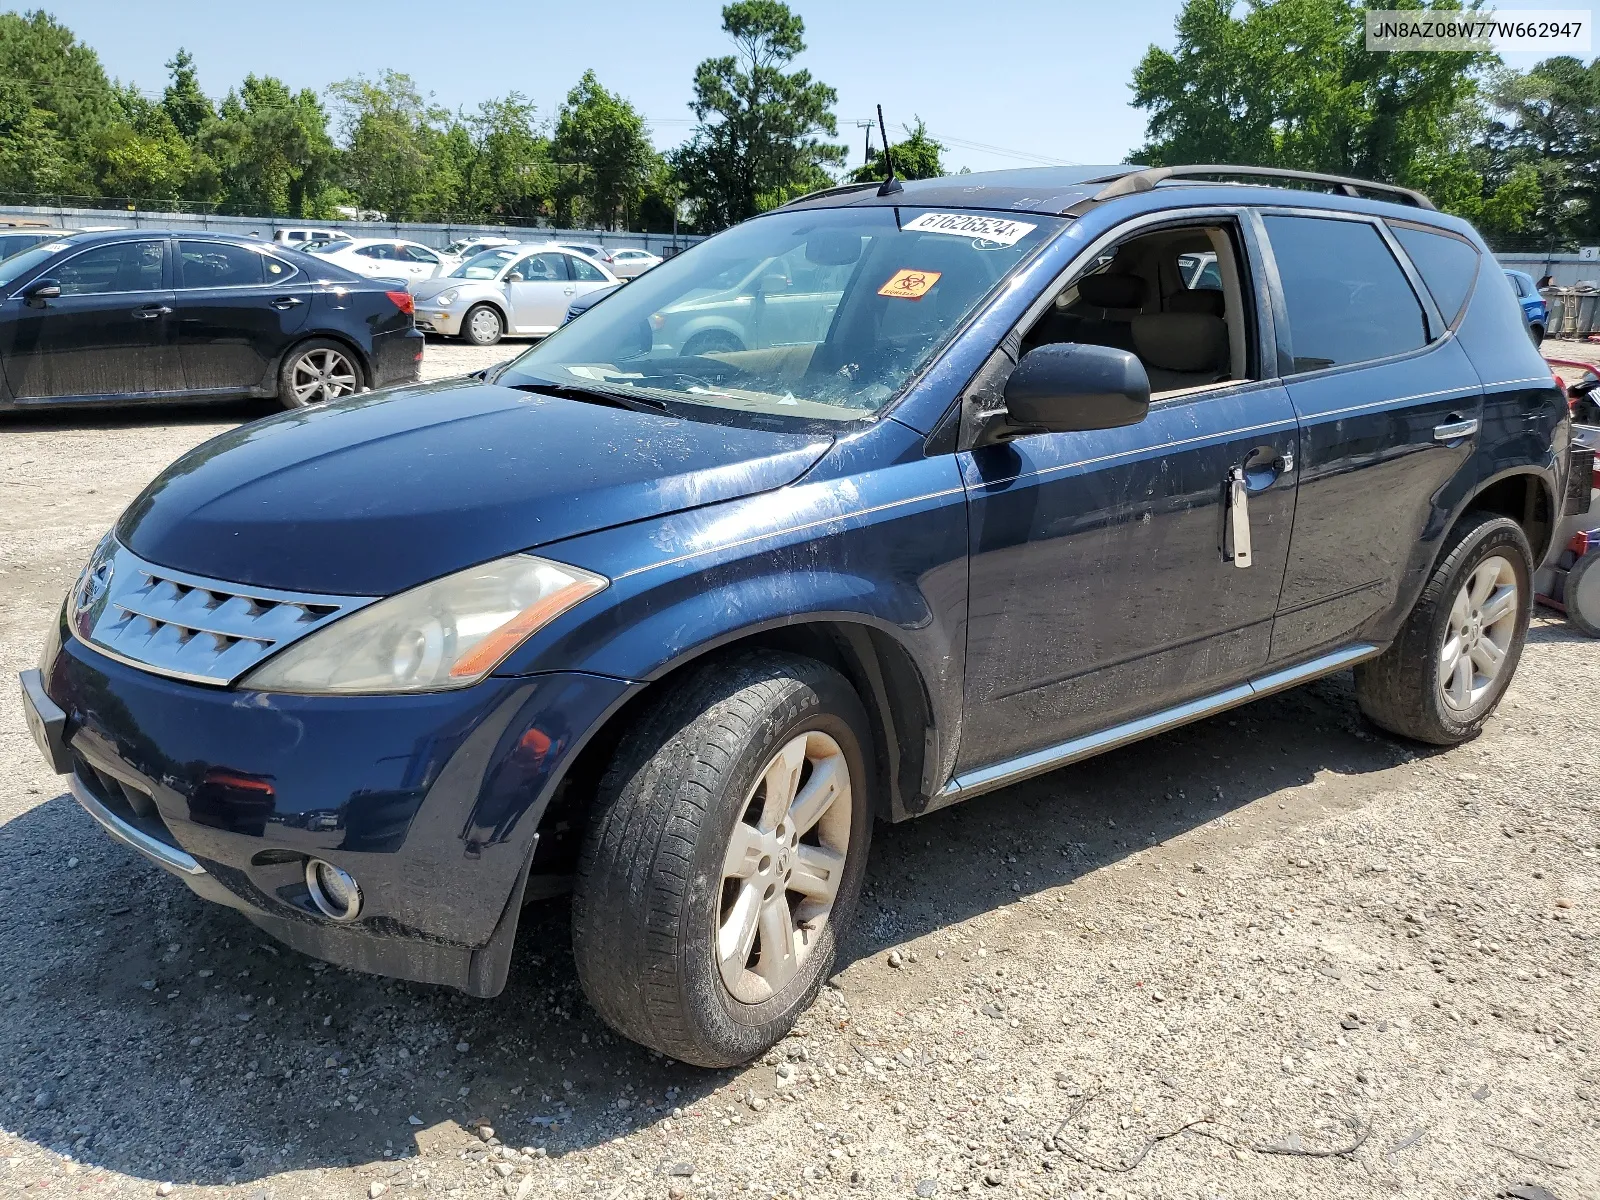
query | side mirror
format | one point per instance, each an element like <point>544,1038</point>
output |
<point>1066,387</point>
<point>42,289</point>
<point>514,277</point>
<point>771,285</point>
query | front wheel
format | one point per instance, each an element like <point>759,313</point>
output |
<point>1446,672</point>
<point>483,326</point>
<point>1536,332</point>
<point>724,859</point>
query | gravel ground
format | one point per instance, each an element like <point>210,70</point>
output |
<point>1273,954</point>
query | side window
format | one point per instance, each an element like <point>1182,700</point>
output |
<point>217,264</point>
<point>1199,272</point>
<point>543,268</point>
<point>119,267</point>
<point>1347,298</point>
<point>277,270</point>
<point>1447,264</point>
<point>418,254</point>
<point>378,251</point>
<point>584,271</point>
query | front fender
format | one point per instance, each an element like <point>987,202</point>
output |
<point>885,549</point>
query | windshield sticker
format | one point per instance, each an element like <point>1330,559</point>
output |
<point>1001,231</point>
<point>910,284</point>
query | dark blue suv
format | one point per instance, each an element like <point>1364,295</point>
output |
<point>872,504</point>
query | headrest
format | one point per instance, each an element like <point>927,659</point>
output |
<point>1112,291</point>
<point>1180,341</point>
<point>1200,300</point>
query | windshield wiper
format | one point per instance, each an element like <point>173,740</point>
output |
<point>590,394</point>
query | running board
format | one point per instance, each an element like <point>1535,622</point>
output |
<point>1026,766</point>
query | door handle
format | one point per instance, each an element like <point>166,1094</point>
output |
<point>1236,546</point>
<point>284,303</point>
<point>1455,429</point>
<point>151,313</point>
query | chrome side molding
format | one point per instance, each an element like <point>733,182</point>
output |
<point>1039,762</point>
<point>167,856</point>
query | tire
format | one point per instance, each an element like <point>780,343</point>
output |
<point>483,325</point>
<point>317,371</point>
<point>1582,594</point>
<point>1537,333</point>
<point>1465,616</point>
<point>711,341</point>
<point>654,897</point>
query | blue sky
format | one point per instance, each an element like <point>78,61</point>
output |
<point>1003,83</point>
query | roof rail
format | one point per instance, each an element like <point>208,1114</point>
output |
<point>1144,179</point>
<point>838,189</point>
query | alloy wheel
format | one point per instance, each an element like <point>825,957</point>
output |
<point>1479,634</point>
<point>783,865</point>
<point>323,374</point>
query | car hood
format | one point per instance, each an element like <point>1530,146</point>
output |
<point>376,494</point>
<point>426,289</point>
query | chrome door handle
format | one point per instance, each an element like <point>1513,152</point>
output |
<point>284,303</point>
<point>1452,431</point>
<point>150,314</point>
<point>1237,549</point>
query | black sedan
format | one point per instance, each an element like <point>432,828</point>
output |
<point>150,315</point>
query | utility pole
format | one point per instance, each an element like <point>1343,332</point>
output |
<point>866,158</point>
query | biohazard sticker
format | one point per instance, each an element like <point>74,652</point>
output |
<point>999,231</point>
<point>910,284</point>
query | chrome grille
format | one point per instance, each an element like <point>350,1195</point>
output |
<point>187,626</point>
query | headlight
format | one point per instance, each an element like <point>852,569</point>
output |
<point>448,296</point>
<point>446,634</point>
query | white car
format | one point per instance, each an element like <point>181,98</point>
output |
<point>629,263</point>
<point>521,290</point>
<point>302,237</point>
<point>383,258</point>
<point>464,248</point>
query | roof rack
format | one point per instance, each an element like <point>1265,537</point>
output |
<point>1144,179</point>
<point>837,190</point>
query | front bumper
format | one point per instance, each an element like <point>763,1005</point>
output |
<point>431,802</point>
<point>444,321</point>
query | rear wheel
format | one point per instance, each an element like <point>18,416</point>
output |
<point>1446,672</point>
<point>1537,333</point>
<point>712,341</point>
<point>317,371</point>
<point>483,325</point>
<point>1582,595</point>
<point>725,858</point>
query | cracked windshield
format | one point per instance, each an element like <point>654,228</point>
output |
<point>817,314</point>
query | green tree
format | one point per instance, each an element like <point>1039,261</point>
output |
<point>1546,132</point>
<point>143,156</point>
<point>918,157</point>
<point>271,149</point>
<point>396,159</point>
<point>1290,83</point>
<point>509,173</point>
<point>63,78</point>
<point>604,156</point>
<point>183,100</point>
<point>759,138</point>
<point>32,157</point>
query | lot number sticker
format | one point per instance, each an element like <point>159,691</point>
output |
<point>999,230</point>
<point>910,284</point>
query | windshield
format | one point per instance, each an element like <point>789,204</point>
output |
<point>332,247</point>
<point>487,265</point>
<point>823,314</point>
<point>21,263</point>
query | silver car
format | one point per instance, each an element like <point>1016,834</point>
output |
<point>521,290</point>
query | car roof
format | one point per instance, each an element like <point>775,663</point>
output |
<point>93,237</point>
<point>1073,190</point>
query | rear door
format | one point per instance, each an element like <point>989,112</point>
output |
<point>108,335</point>
<point>237,309</point>
<point>1389,410</point>
<point>539,299</point>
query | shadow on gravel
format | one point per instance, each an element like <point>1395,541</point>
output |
<point>149,1032</point>
<point>27,420</point>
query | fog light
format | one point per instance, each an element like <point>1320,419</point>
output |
<point>333,890</point>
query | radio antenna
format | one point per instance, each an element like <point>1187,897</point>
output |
<point>891,185</point>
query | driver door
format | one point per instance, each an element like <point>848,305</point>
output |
<point>539,299</point>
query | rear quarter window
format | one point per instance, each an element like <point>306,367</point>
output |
<point>1447,264</point>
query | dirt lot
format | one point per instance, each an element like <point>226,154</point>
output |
<point>1274,954</point>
